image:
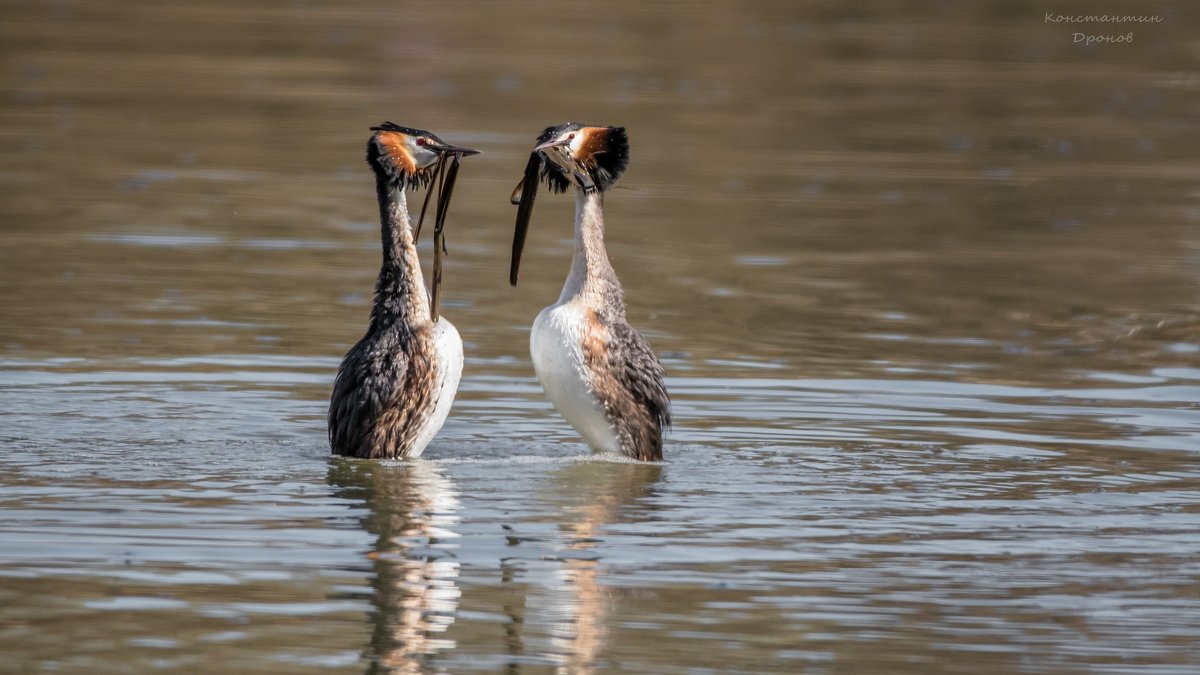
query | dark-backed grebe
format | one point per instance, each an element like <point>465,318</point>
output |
<point>395,387</point>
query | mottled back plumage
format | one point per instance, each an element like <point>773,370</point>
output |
<point>628,379</point>
<point>384,389</point>
<point>394,386</point>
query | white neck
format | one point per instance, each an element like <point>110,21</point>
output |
<point>590,270</point>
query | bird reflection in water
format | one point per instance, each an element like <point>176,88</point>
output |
<point>590,496</point>
<point>413,510</point>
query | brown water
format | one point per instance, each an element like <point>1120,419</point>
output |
<point>925,278</point>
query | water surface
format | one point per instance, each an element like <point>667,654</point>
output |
<point>924,279</point>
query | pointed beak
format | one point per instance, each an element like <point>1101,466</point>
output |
<point>549,144</point>
<point>453,150</point>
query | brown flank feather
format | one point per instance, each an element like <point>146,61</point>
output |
<point>628,379</point>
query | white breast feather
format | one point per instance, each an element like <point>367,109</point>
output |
<point>447,346</point>
<point>556,345</point>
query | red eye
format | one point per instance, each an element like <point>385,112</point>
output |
<point>570,136</point>
<point>420,141</point>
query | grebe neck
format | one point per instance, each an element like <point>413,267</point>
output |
<point>400,294</point>
<point>592,275</point>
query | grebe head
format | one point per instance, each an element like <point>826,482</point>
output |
<point>592,157</point>
<point>404,157</point>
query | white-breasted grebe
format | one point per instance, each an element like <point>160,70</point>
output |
<point>600,373</point>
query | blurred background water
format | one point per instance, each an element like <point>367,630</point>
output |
<point>924,277</point>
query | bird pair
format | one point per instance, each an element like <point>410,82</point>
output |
<point>394,388</point>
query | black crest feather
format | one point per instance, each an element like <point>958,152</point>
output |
<point>392,126</point>
<point>611,157</point>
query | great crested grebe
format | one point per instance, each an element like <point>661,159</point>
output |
<point>598,371</point>
<point>395,387</point>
